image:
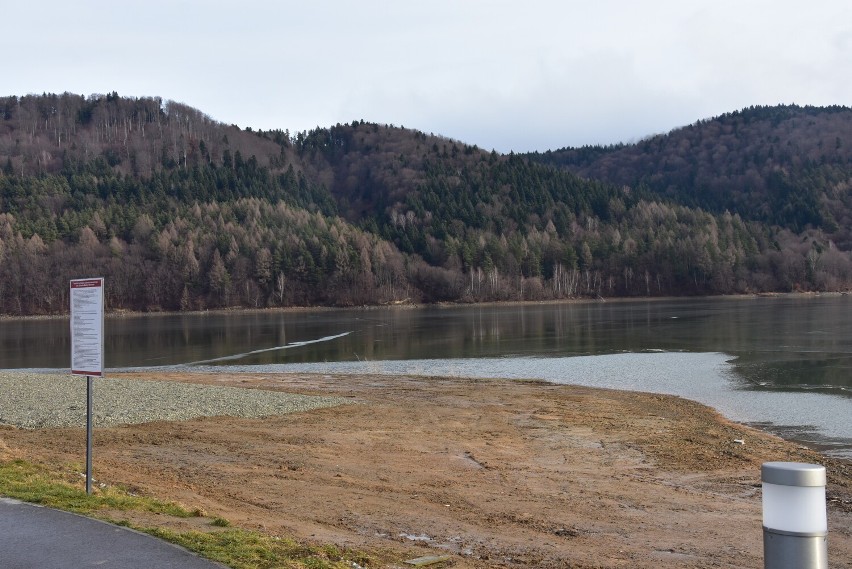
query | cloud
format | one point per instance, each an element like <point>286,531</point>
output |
<point>499,74</point>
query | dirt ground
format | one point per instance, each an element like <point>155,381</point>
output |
<point>494,473</point>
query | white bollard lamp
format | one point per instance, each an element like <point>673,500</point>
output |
<point>795,524</point>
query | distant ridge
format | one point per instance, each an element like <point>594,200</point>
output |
<point>787,165</point>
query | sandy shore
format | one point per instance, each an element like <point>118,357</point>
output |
<point>496,473</point>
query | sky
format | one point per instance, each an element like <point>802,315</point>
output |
<point>505,75</point>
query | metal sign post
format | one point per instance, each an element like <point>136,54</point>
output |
<point>87,346</point>
<point>88,434</point>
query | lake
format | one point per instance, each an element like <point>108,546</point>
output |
<point>782,363</point>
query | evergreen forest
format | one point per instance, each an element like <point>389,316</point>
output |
<point>179,212</point>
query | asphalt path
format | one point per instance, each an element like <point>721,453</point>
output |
<point>35,537</point>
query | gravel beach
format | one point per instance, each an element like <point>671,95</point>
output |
<point>500,474</point>
<point>41,400</point>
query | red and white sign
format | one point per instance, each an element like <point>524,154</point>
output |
<point>87,327</point>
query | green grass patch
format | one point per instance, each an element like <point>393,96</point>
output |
<point>220,522</point>
<point>243,549</point>
<point>32,483</point>
<point>237,548</point>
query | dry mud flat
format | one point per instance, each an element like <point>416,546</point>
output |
<point>495,473</point>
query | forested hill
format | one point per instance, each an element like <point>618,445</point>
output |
<point>786,165</point>
<point>180,212</point>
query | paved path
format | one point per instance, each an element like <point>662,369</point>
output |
<point>34,537</point>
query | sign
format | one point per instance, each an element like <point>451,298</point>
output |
<point>87,327</point>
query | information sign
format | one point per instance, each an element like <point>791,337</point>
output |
<point>87,327</point>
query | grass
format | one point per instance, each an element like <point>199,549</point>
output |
<point>31,483</point>
<point>245,549</point>
<point>235,547</point>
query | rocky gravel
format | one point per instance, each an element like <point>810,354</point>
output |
<point>40,400</point>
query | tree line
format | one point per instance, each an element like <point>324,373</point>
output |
<point>255,253</point>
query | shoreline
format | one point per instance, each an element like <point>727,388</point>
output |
<point>811,423</point>
<point>496,473</point>
<point>805,433</point>
<point>121,313</point>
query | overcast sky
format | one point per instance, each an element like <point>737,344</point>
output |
<point>521,75</point>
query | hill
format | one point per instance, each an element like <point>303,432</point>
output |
<point>788,166</point>
<point>180,212</point>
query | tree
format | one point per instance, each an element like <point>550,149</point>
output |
<point>263,267</point>
<point>280,282</point>
<point>219,279</point>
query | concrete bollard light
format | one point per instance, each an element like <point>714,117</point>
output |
<point>795,524</point>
